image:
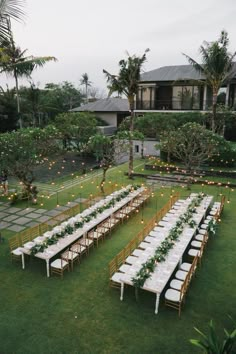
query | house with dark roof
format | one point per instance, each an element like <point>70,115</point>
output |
<point>180,88</point>
<point>111,110</point>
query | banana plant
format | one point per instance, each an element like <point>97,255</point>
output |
<point>210,343</point>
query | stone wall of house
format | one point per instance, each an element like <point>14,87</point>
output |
<point>109,117</point>
<point>148,147</point>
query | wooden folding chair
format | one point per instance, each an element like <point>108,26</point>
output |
<point>70,256</point>
<point>120,258</point>
<point>114,221</point>
<point>198,252</point>
<point>86,242</point>
<point>15,248</point>
<point>193,267</point>
<point>139,238</point>
<point>120,216</point>
<point>127,251</point>
<point>133,245</point>
<point>25,237</point>
<point>112,271</point>
<point>79,249</point>
<point>175,298</point>
<point>59,266</point>
<point>95,235</point>
<point>34,232</point>
<point>103,228</point>
<point>76,210</point>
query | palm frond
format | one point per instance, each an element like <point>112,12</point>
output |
<point>12,9</point>
<point>126,82</point>
<point>195,64</point>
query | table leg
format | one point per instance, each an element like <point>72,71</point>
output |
<point>47,266</point>
<point>23,260</point>
<point>157,303</point>
<point>122,291</point>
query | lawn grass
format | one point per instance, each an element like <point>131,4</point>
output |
<point>80,314</point>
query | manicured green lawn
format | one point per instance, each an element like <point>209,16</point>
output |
<point>81,314</point>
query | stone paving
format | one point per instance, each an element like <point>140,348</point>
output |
<point>17,219</point>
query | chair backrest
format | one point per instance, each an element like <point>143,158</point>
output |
<point>43,228</point>
<point>112,267</point>
<point>76,247</point>
<point>101,227</point>
<point>132,244</point>
<point>200,253</point>
<point>76,209</point>
<point>193,266</point>
<point>222,203</point>
<point>139,238</point>
<point>71,212</point>
<point>14,242</point>
<point>65,255</point>
<point>127,251</point>
<point>25,237</point>
<point>34,232</point>
<point>120,258</point>
<point>184,286</point>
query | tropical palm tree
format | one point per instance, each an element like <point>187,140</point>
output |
<point>10,9</point>
<point>14,61</point>
<point>85,81</point>
<point>126,83</point>
<point>216,66</point>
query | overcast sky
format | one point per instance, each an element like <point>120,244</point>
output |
<point>87,36</point>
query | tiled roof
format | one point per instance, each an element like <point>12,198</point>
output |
<point>105,105</point>
<point>176,73</point>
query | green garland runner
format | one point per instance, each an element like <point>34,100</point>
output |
<point>212,226</point>
<point>162,251</point>
<point>69,229</point>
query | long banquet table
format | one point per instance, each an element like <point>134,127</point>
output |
<point>163,270</point>
<point>53,250</point>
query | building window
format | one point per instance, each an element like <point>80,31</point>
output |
<point>186,97</point>
<point>136,147</point>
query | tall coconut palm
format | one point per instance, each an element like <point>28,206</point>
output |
<point>126,83</point>
<point>85,81</point>
<point>10,9</point>
<point>216,66</point>
<point>13,61</point>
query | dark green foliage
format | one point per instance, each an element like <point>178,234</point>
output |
<point>191,144</point>
<point>8,111</point>
<point>211,344</point>
<point>76,128</point>
<point>23,150</point>
<point>58,98</point>
<point>226,154</point>
<point>101,122</point>
<point>153,124</point>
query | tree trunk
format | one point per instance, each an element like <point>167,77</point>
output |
<point>189,175</point>
<point>86,92</point>
<point>168,156</point>
<point>214,103</point>
<point>103,179</point>
<point>131,130</point>
<point>18,100</point>
<point>142,150</point>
